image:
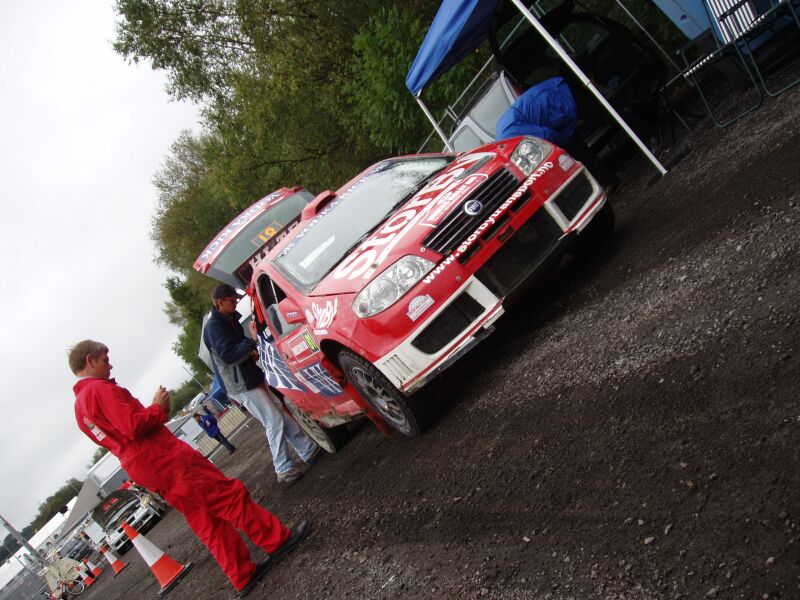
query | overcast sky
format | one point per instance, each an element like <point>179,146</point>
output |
<point>83,133</point>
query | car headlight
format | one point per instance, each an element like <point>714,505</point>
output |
<point>390,286</point>
<point>529,154</point>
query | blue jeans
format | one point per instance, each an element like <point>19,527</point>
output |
<point>280,427</point>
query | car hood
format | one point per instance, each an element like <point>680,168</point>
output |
<point>405,229</point>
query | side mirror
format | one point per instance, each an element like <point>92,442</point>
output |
<point>313,207</point>
<point>291,312</point>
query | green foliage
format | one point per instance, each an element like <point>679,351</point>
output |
<point>49,508</point>
<point>198,42</point>
<point>98,454</point>
<point>191,300</point>
<point>375,88</point>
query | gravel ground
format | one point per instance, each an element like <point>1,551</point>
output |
<point>631,431</point>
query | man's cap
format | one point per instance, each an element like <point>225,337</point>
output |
<point>225,291</point>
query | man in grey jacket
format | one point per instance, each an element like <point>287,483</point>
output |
<point>234,357</point>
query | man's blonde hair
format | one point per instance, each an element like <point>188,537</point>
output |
<point>81,351</point>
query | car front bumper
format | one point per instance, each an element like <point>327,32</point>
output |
<point>468,315</point>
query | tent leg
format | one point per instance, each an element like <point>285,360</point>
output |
<point>585,80</point>
<point>436,125</point>
<point>650,37</point>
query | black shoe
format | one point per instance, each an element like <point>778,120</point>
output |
<point>298,535</point>
<point>258,575</point>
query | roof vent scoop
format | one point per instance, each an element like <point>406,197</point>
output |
<point>313,207</point>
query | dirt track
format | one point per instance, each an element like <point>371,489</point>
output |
<point>632,432</point>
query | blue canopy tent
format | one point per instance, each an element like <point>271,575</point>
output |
<point>218,395</point>
<point>459,27</point>
<point>218,389</point>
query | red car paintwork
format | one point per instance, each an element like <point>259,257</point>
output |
<point>319,320</point>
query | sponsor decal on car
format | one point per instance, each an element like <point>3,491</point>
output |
<point>490,220</point>
<point>267,234</point>
<point>473,207</point>
<point>418,305</point>
<point>421,209</point>
<point>276,370</point>
<point>303,346</point>
<point>319,380</point>
<point>321,317</point>
<point>450,197</point>
<point>315,378</point>
<point>237,224</point>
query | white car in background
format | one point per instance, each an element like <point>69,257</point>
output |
<point>139,510</point>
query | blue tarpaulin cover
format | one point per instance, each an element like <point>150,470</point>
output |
<point>547,110</point>
<point>459,27</point>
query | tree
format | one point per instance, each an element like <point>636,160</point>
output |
<point>98,454</point>
<point>51,506</point>
<point>382,105</point>
<point>200,43</point>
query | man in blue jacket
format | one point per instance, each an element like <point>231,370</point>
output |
<point>234,359</point>
<point>209,424</point>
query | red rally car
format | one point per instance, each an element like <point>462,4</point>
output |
<point>388,281</point>
<point>364,295</point>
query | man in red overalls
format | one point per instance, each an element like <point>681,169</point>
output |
<point>214,506</point>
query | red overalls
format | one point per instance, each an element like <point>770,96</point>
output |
<point>213,505</point>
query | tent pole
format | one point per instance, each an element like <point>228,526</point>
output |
<point>587,82</point>
<point>647,33</point>
<point>436,126</point>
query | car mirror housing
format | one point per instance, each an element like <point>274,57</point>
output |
<point>291,312</point>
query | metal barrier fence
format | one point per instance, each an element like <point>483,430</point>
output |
<point>26,585</point>
<point>230,422</point>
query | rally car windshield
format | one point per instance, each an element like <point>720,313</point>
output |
<point>357,212</point>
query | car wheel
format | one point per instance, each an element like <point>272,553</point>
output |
<point>330,439</point>
<point>598,230</point>
<point>380,394</point>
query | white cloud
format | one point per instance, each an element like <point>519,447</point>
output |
<point>84,133</point>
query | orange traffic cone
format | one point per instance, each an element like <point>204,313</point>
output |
<point>167,570</point>
<point>88,580</point>
<point>112,559</point>
<point>93,569</point>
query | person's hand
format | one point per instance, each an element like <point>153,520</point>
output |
<point>161,398</point>
<point>253,330</point>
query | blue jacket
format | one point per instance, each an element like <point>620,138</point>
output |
<point>547,110</point>
<point>231,353</point>
<point>209,424</point>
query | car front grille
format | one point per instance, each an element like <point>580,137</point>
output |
<point>520,255</point>
<point>457,225</point>
<point>573,197</point>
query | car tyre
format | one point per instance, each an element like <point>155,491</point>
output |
<point>329,439</point>
<point>393,407</point>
